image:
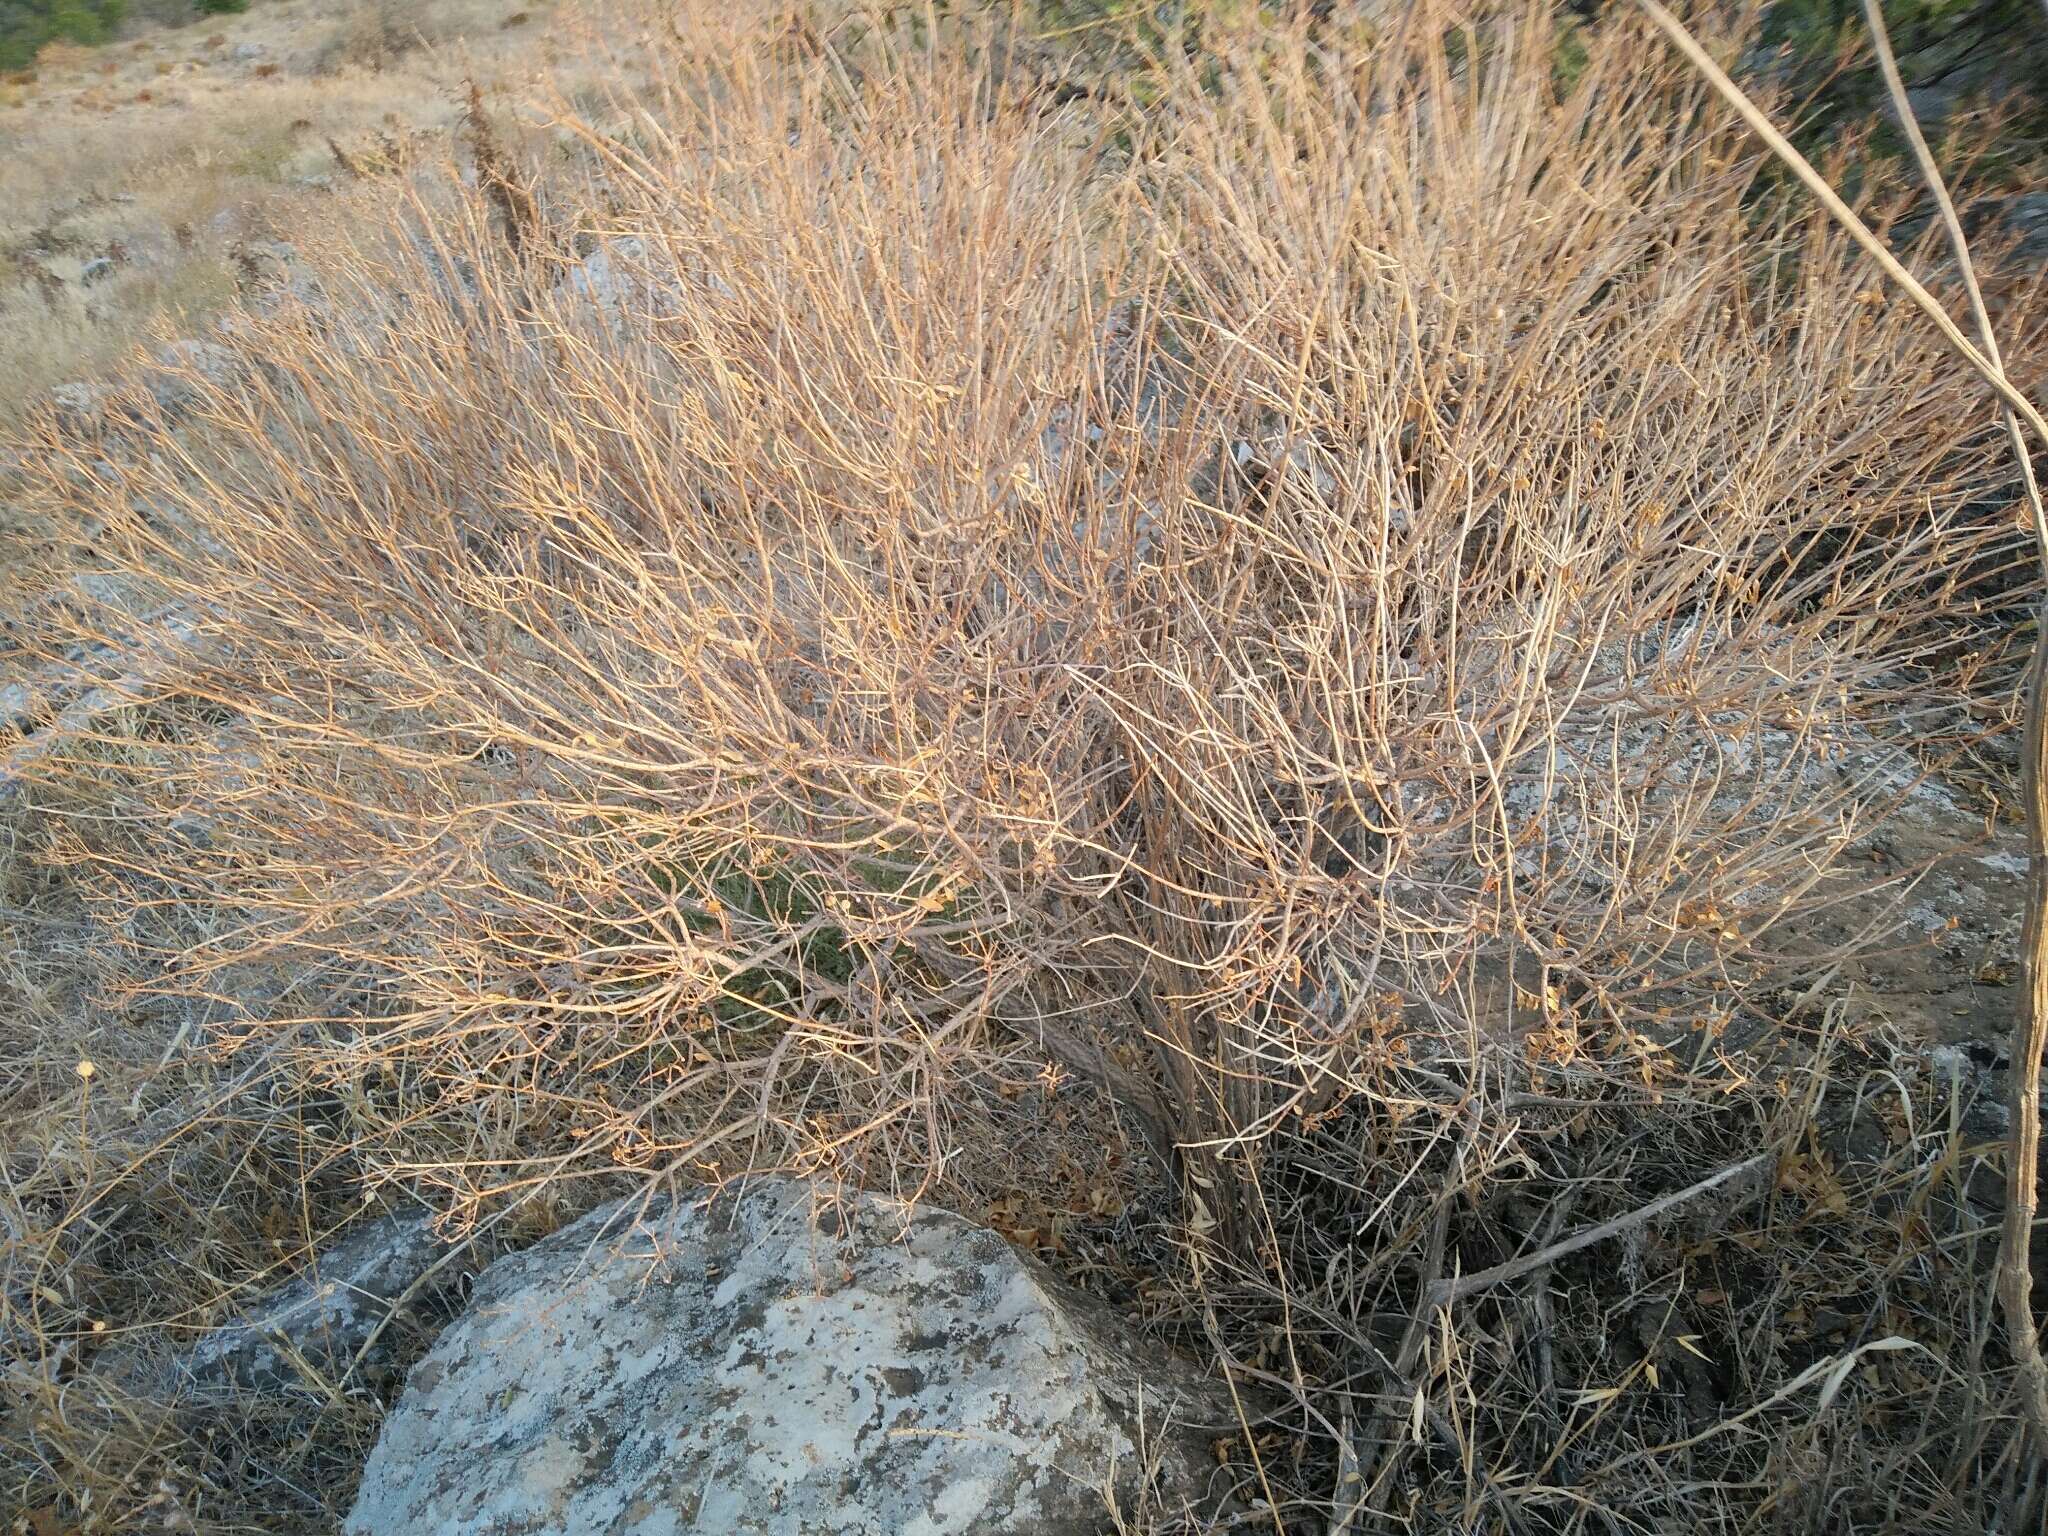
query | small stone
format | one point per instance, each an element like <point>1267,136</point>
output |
<point>102,589</point>
<point>182,367</point>
<point>607,276</point>
<point>19,706</point>
<point>330,1315</point>
<point>81,408</point>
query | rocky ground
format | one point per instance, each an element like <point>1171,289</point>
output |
<point>144,182</point>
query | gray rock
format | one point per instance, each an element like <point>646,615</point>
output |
<point>610,275</point>
<point>84,409</point>
<point>273,271</point>
<point>183,367</point>
<point>88,408</point>
<point>94,590</point>
<point>319,1322</point>
<point>753,1367</point>
<point>19,706</point>
<point>620,278</point>
<point>2028,215</point>
<point>99,269</point>
<point>1933,105</point>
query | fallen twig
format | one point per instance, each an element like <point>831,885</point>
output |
<point>1443,1292</point>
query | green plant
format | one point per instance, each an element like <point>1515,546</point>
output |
<point>27,25</point>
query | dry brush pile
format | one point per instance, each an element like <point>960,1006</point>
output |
<point>1254,671</point>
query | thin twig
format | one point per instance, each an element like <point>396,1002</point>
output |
<point>1443,1292</point>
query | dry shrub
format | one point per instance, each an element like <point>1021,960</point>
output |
<point>373,35</point>
<point>1348,613</point>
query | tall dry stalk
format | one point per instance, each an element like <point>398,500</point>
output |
<point>2030,1030</point>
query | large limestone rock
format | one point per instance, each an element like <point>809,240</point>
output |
<point>760,1366</point>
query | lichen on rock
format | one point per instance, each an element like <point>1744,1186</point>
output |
<point>770,1362</point>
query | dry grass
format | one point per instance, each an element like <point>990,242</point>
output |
<point>168,152</point>
<point>1260,673</point>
